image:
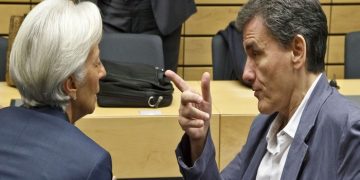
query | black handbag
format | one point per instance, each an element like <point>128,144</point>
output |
<point>134,85</point>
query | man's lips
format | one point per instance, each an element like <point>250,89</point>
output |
<point>256,91</point>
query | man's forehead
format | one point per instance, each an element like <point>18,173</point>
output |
<point>254,31</point>
<point>254,25</point>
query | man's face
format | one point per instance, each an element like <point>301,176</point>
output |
<point>268,68</point>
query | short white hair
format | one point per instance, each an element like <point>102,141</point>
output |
<point>52,44</point>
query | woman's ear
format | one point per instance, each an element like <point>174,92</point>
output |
<point>70,87</point>
<point>299,51</point>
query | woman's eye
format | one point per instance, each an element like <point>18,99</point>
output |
<point>97,63</point>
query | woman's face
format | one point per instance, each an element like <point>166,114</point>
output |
<point>86,92</point>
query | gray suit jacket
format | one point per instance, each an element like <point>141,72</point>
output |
<point>40,144</point>
<point>326,144</point>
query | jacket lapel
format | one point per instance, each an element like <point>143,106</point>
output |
<point>299,148</point>
<point>256,160</point>
<point>259,133</point>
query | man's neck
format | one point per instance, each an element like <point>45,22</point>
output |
<point>302,86</point>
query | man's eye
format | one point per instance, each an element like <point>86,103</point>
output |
<point>256,53</point>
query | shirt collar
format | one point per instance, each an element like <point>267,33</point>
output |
<point>294,121</point>
<point>271,136</point>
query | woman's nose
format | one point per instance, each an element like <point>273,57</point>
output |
<point>102,72</point>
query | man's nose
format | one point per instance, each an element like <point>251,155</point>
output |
<point>249,72</point>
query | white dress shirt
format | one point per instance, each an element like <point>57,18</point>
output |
<point>278,144</point>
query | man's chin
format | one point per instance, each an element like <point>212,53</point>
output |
<point>263,109</point>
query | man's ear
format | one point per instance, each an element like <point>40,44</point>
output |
<point>299,51</point>
<point>70,87</point>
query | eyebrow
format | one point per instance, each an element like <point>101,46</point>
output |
<point>252,45</point>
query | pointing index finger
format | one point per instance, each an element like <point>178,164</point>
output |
<point>177,80</point>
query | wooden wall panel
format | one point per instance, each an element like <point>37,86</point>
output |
<point>6,11</point>
<point>346,1</point>
<point>326,9</point>
<point>180,71</point>
<point>14,1</point>
<point>333,71</point>
<point>327,50</point>
<point>181,51</point>
<point>198,51</point>
<point>141,147</point>
<point>345,19</point>
<point>233,134</point>
<point>336,49</point>
<point>210,19</point>
<point>195,73</point>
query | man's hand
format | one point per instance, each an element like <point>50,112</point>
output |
<point>194,112</point>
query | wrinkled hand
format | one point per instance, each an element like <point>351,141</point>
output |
<point>195,109</point>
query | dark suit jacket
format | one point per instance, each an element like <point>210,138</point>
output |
<point>229,57</point>
<point>3,49</point>
<point>40,143</point>
<point>326,144</point>
<point>168,14</point>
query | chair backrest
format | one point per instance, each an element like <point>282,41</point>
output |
<point>352,55</point>
<point>3,49</point>
<point>132,48</point>
<point>220,59</point>
<point>228,54</point>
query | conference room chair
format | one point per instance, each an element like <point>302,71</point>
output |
<point>132,48</point>
<point>228,55</point>
<point>3,49</point>
<point>220,59</point>
<point>352,55</point>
